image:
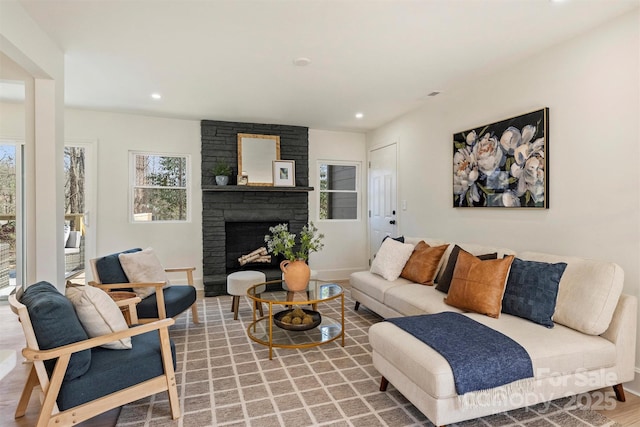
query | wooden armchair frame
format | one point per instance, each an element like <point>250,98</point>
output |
<point>162,313</point>
<point>49,387</point>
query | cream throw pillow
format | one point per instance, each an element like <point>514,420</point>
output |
<point>98,314</point>
<point>588,292</point>
<point>143,267</point>
<point>391,258</point>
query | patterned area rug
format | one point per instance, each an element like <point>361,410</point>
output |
<point>225,379</point>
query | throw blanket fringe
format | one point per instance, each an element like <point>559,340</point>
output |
<point>497,396</point>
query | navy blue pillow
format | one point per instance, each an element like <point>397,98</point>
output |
<point>110,270</point>
<point>532,289</point>
<point>55,324</point>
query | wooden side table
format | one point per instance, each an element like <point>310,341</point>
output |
<point>127,302</point>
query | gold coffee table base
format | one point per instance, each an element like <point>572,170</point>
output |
<point>264,331</point>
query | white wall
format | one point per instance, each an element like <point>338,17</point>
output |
<point>345,249</point>
<point>31,49</point>
<point>592,88</point>
<point>177,244</point>
<point>180,244</point>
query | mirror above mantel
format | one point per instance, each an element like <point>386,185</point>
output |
<point>256,154</point>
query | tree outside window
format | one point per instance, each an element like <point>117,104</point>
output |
<point>8,199</point>
<point>160,187</point>
<point>74,163</point>
<point>338,191</point>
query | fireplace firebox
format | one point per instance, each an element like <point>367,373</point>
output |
<point>241,238</point>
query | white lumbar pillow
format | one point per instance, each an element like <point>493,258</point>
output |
<point>391,258</point>
<point>99,314</point>
<point>143,267</point>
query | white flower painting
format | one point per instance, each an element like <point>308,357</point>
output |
<point>503,164</point>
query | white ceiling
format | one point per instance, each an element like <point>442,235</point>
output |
<point>233,59</point>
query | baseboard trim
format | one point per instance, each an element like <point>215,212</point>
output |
<point>337,274</point>
<point>633,386</point>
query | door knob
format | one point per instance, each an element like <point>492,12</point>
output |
<point>393,221</point>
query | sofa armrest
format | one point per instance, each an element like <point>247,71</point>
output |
<point>622,332</point>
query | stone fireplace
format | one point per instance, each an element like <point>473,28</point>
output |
<point>236,218</point>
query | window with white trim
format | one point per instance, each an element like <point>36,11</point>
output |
<point>159,187</point>
<point>339,193</point>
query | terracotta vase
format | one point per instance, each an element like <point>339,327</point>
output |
<point>296,274</point>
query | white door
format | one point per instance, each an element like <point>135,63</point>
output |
<point>382,196</point>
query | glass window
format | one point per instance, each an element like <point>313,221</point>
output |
<point>74,209</point>
<point>8,196</point>
<point>338,191</point>
<point>160,187</point>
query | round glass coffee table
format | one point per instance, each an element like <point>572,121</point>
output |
<point>265,330</point>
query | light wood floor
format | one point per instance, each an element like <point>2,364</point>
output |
<point>627,414</point>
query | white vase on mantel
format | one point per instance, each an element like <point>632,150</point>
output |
<point>222,179</point>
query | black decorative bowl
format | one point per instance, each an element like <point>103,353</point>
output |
<point>291,327</point>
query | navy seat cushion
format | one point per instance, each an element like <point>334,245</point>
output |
<point>113,370</point>
<point>110,270</point>
<point>177,298</point>
<point>532,289</point>
<point>55,324</point>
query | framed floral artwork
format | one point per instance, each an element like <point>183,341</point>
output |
<point>503,164</point>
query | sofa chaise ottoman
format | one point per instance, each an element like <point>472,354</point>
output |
<point>591,344</point>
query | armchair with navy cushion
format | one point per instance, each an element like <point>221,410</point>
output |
<point>78,378</point>
<point>140,271</point>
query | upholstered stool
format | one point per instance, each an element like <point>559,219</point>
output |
<point>239,282</point>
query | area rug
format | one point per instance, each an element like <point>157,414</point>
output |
<point>225,379</point>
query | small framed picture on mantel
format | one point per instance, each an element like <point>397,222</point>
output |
<point>284,173</point>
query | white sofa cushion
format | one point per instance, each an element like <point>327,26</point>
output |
<point>588,312</point>
<point>412,299</point>
<point>374,285</point>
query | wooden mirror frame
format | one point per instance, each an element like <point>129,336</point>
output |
<point>256,154</point>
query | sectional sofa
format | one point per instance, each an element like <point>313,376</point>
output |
<point>590,345</point>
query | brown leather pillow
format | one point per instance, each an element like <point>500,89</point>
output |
<point>478,285</point>
<point>423,263</point>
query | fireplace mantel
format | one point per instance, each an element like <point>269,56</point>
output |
<point>245,188</point>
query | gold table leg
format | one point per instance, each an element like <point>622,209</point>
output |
<point>342,319</point>
<point>270,331</point>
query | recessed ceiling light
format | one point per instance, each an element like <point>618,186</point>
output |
<point>156,96</point>
<point>302,61</point>
<point>359,115</point>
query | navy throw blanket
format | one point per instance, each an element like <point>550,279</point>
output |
<point>480,357</point>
